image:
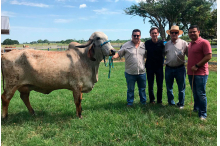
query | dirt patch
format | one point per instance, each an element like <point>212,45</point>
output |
<point>213,67</point>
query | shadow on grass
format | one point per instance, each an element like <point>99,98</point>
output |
<point>40,116</point>
<point>118,107</point>
<point>159,110</point>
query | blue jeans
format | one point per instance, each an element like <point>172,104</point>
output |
<point>159,79</point>
<point>141,82</point>
<point>200,99</point>
<point>180,75</point>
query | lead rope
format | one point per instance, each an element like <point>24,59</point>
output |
<point>191,93</point>
<point>110,63</point>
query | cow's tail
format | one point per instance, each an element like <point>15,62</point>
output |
<point>2,74</point>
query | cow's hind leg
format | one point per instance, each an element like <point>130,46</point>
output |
<point>25,97</point>
<point>77,94</point>
<point>6,97</point>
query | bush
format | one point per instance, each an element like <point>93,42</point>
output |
<point>10,42</point>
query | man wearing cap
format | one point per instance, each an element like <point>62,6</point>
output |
<point>199,53</point>
<point>134,53</point>
<point>175,51</point>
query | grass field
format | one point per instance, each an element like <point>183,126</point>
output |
<point>107,120</point>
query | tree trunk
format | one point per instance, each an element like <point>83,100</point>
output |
<point>170,24</point>
<point>162,32</point>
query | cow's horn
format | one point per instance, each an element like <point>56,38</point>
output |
<point>85,45</point>
<point>88,43</point>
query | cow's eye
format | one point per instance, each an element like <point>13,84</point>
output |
<point>98,38</point>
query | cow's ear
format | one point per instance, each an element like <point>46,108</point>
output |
<point>91,52</point>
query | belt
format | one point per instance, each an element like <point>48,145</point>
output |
<point>175,66</point>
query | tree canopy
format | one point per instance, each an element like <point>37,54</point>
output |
<point>10,42</point>
<point>177,12</point>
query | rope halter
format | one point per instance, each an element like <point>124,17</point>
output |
<point>104,43</point>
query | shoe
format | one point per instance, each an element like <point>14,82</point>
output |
<point>160,103</point>
<point>143,103</point>
<point>202,119</point>
<point>129,105</point>
<point>152,102</point>
<point>181,107</point>
<point>171,104</point>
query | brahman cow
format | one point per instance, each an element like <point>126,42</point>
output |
<point>75,69</point>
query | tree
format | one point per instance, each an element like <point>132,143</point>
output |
<point>10,42</point>
<point>40,41</point>
<point>197,12</point>
<point>45,41</point>
<point>33,42</point>
<point>62,41</point>
<point>151,10</point>
<point>15,42</point>
<point>171,12</point>
<point>209,27</point>
<point>68,41</point>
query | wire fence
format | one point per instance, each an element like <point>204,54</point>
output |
<point>64,48</point>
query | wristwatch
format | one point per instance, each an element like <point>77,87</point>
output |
<point>196,66</point>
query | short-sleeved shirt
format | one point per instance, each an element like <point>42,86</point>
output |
<point>196,52</point>
<point>155,54</point>
<point>175,53</point>
<point>134,57</point>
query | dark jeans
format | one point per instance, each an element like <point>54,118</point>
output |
<point>179,74</point>
<point>200,99</point>
<point>159,79</point>
<point>141,82</point>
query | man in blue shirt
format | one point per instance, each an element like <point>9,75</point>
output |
<point>154,64</point>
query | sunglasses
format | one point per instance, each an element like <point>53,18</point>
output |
<point>174,32</point>
<point>136,36</point>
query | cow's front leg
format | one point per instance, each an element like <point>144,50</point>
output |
<point>6,97</point>
<point>77,94</point>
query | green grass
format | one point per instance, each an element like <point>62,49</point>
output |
<point>107,120</point>
<point>214,59</point>
<point>214,50</point>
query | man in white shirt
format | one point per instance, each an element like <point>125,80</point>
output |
<point>175,51</point>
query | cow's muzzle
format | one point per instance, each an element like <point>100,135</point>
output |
<point>112,52</point>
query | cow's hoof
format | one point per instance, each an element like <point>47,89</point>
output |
<point>33,113</point>
<point>4,117</point>
<point>80,117</point>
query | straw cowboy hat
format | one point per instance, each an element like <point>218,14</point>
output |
<point>174,27</point>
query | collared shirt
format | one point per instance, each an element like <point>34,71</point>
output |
<point>155,54</point>
<point>134,57</point>
<point>175,53</point>
<point>196,52</point>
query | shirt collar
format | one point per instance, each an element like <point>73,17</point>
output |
<point>175,41</point>
<point>198,40</point>
<point>131,44</point>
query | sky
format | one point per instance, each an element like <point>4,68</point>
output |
<point>56,20</point>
